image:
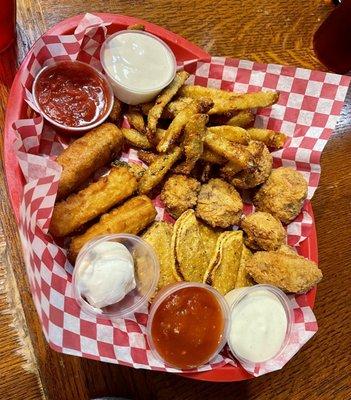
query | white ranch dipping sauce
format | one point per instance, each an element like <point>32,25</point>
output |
<point>259,325</point>
<point>138,65</point>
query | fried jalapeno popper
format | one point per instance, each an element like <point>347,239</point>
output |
<point>94,200</point>
<point>86,155</point>
<point>131,217</point>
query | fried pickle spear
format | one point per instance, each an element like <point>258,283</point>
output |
<point>147,157</point>
<point>94,200</point>
<point>231,133</point>
<point>135,118</point>
<point>131,217</point>
<point>136,139</point>
<point>162,100</point>
<point>174,130</point>
<point>116,111</point>
<point>272,139</point>
<point>193,143</point>
<point>212,157</point>
<point>86,155</point>
<point>242,119</point>
<point>175,107</point>
<point>157,170</point>
<point>197,92</point>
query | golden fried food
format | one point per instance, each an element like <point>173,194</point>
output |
<point>272,139</point>
<point>136,169</point>
<point>131,217</point>
<point>263,231</point>
<point>242,119</point>
<point>282,194</point>
<point>158,169</point>
<point>284,248</point>
<point>193,143</point>
<point>223,269</point>
<point>159,237</point>
<point>209,237</point>
<point>94,200</point>
<point>136,139</point>
<point>290,272</point>
<point>198,92</point>
<point>175,128</point>
<point>179,194</point>
<point>146,107</point>
<point>212,157</point>
<point>260,170</point>
<point>147,157</point>
<point>86,155</point>
<point>230,169</point>
<point>188,249</point>
<point>231,133</point>
<point>235,152</point>
<point>116,111</point>
<point>174,107</point>
<point>219,204</point>
<point>135,118</point>
<point>243,279</point>
<point>162,100</point>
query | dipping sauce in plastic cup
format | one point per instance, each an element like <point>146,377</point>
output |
<point>138,65</point>
<point>187,325</point>
<point>73,95</point>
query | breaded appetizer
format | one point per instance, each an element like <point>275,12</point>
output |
<point>136,119</point>
<point>243,279</point>
<point>131,217</point>
<point>219,204</point>
<point>94,200</point>
<point>116,111</point>
<point>282,194</point>
<point>290,272</point>
<point>179,194</point>
<point>263,231</point>
<point>86,155</point>
<point>272,139</point>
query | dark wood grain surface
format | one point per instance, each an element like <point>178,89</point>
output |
<point>268,31</point>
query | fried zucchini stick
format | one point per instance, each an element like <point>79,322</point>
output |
<point>86,155</point>
<point>231,133</point>
<point>131,217</point>
<point>197,92</point>
<point>272,139</point>
<point>242,119</point>
<point>97,198</point>
<point>135,118</point>
<point>136,139</point>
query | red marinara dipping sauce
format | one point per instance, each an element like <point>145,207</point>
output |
<point>72,94</point>
<point>188,327</point>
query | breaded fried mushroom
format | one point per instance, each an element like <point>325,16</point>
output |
<point>179,194</point>
<point>263,231</point>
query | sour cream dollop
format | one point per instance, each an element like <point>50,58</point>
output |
<point>106,274</point>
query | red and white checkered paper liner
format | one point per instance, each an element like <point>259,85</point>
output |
<point>308,108</point>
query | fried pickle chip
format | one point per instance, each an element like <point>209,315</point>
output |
<point>162,100</point>
<point>157,170</point>
<point>243,278</point>
<point>193,142</point>
<point>135,118</point>
<point>188,249</point>
<point>159,237</point>
<point>136,139</point>
<point>231,133</point>
<point>223,270</point>
<point>175,128</point>
<point>242,119</point>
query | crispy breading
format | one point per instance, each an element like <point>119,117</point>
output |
<point>136,119</point>
<point>179,193</point>
<point>209,237</point>
<point>290,272</point>
<point>136,139</point>
<point>131,217</point>
<point>243,279</point>
<point>219,204</point>
<point>188,249</point>
<point>158,169</point>
<point>86,155</point>
<point>282,194</point>
<point>175,128</point>
<point>193,143</point>
<point>272,139</point>
<point>230,169</point>
<point>162,100</point>
<point>284,248</point>
<point>242,119</point>
<point>147,157</point>
<point>136,169</point>
<point>146,107</point>
<point>223,269</point>
<point>116,111</point>
<point>174,107</point>
<point>231,133</point>
<point>197,92</point>
<point>70,214</point>
<point>159,237</point>
<point>260,170</point>
<point>263,231</point>
<point>212,157</point>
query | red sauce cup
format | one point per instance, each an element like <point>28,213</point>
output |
<point>73,96</point>
<point>187,325</point>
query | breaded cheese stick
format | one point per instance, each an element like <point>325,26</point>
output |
<point>86,155</point>
<point>131,217</point>
<point>94,200</point>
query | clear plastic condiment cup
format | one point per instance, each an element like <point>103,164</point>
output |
<point>146,269</point>
<point>131,95</point>
<point>163,294</point>
<point>238,295</point>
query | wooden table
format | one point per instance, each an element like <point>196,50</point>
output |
<point>269,31</point>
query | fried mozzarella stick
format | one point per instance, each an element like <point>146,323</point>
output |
<point>97,198</point>
<point>86,155</point>
<point>131,217</point>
